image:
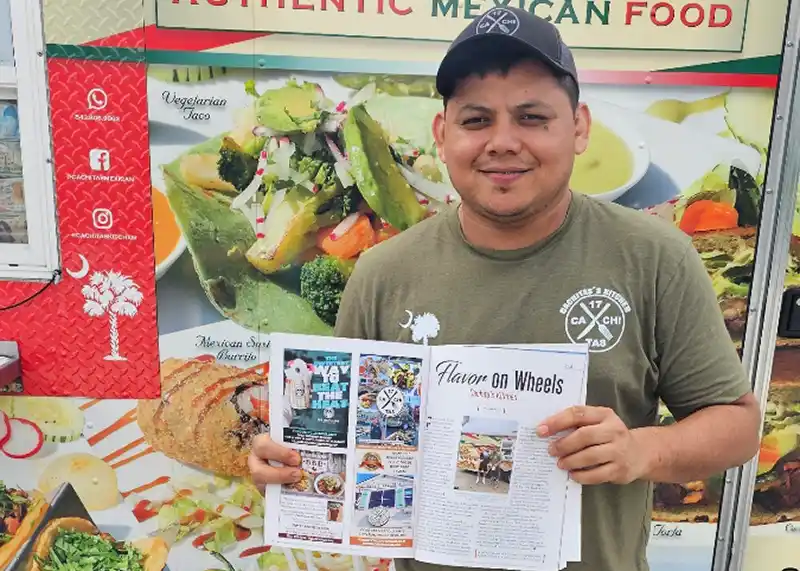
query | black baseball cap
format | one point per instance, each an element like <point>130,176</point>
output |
<point>505,28</point>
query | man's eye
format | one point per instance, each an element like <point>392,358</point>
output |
<point>532,117</point>
<point>473,120</point>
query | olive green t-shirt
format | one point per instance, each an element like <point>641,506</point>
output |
<point>628,284</point>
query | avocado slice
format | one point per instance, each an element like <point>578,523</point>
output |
<point>217,238</point>
<point>748,114</point>
<point>377,174</point>
<point>293,108</point>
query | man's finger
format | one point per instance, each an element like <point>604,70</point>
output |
<point>587,458</point>
<point>583,437</point>
<point>593,476</point>
<point>267,449</point>
<point>572,417</point>
<point>263,474</point>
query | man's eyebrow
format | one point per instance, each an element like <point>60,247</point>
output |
<point>533,104</point>
<point>475,107</point>
<point>524,106</point>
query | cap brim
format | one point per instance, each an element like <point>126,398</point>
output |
<point>462,58</point>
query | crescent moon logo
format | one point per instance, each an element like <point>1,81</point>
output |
<point>407,324</point>
<point>81,273</point>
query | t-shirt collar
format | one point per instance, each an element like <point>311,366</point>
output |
<point>573,212</point>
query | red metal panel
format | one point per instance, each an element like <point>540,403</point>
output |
<point>95,333</point>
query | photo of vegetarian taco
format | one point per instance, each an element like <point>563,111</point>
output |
<point>777,488</point>
<point>20,515</point>
<point>76,543</point>
<point>208,413</point>
<point>276,210</point>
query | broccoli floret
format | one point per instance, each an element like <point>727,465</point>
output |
<point>235,165</point>
<point>339,208</point>
<point>322,282</point>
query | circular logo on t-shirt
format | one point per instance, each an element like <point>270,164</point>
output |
<point>390,401</point>
<point>595,316</point>
<point>498,21</point>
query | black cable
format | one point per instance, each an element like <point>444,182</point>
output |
<point>56,273</point>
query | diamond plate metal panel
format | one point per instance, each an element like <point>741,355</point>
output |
<point>84,21</point>
<point>95,333</point>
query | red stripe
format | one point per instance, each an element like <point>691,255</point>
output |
<point>679,78</point>
<point>194,40</point>
<point>130,39</point>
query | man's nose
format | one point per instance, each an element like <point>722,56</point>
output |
<point>505,139</point>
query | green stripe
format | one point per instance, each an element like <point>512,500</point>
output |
<point>245,61</point>
<point>70,51</point>
<point>765,65</point>
<point>294,63</point>
<point>173,57</point>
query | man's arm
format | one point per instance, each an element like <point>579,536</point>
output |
<point>701,445</point>
<point>702,382</point>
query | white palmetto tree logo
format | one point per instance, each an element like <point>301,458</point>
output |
<point>423,327</point>
<point>111,294</point>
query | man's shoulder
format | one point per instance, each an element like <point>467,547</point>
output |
<point>405,246</point>
<point>632,229</point>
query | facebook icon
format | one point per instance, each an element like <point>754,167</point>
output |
<point>99,160</point>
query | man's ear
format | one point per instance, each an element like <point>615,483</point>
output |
<point>438,134</point>
<point>583,125</point>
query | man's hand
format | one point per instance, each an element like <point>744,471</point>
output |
<point>263,451</point>
<point>600,449</point>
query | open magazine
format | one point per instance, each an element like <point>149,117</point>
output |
<point>430,453</point>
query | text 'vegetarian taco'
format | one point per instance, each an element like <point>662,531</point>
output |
<point>777,488</point>
<point>20,515</point>
<point>76,543</point>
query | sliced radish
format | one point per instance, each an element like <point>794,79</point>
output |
<point>26,439</point>
<point>344,226</point>
<point>5,428</point>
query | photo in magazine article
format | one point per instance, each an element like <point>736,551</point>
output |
<point>316,398</point>
<point>485,454</point>
<point>311,509</point>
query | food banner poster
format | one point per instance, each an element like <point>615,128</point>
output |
<point>680,131</point>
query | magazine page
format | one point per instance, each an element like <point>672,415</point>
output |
<point>490,495</point>
<point>352,409</point>
<point>571,544</point>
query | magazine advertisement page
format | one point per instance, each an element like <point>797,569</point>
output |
<point>426,450</point>
<point>352,411</point>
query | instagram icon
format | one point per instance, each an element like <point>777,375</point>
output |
<point>102,218</point>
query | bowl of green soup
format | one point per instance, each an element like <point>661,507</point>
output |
<point>616,158</point>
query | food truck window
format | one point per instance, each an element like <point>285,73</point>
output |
<point>28,235</point>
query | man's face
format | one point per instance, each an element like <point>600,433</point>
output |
<point>509,142</point>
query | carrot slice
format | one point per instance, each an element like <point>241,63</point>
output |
<point>359,237</point>
<point>705,215</point>
<point>693,498</point>
<point>768,457</point>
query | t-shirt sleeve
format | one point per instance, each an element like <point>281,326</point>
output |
<point>697,361</point>
<point>354,319</point>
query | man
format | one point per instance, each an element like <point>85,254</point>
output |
<point>525,260</point>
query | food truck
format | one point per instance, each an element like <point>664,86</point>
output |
<point>174,187</point>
